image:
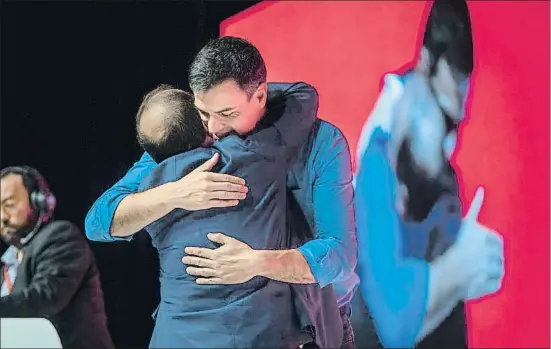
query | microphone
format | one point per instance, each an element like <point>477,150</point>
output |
<point>25,240</point>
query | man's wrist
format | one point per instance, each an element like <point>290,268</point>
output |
<point>262,261</point>
<point>288,266</point>
<point>165,196</point>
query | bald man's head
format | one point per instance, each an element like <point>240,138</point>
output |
<point>167,123</point>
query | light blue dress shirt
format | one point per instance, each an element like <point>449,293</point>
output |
<point>9,258</point>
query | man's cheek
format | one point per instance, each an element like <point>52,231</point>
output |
<point>449,104</point>
<point>242,128</point>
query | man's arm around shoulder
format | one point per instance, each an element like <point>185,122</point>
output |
<point>300,101</point>
<point>121,211</point>
<point>62,259</point>
<point>293,108</point>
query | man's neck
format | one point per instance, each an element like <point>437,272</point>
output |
<point>262,114</point>
<point>261,123</point>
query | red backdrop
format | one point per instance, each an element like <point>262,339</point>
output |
<point>344,48</point>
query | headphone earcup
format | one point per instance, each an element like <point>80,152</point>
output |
<point>44,203</point>
<point>35,200</point>
<point>39,201</point>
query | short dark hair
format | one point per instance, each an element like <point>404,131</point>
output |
<point>448,35</point>
<point>30,182</point>
<point>183,128</point>
<point>227,58</point>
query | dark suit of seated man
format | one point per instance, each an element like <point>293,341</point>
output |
<point>259,313</point>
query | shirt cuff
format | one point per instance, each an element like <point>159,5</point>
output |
<point>99,219</point>
<point>316,253</point>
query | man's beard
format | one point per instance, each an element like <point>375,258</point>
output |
<point>18,233</point>
<point>222,134</point>
<point>423,192</point>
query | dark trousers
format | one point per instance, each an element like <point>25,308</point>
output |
<point>348,333</point>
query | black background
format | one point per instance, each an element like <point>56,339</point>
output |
<point>73,75</point>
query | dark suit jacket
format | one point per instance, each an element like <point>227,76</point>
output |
<point>57,279</point>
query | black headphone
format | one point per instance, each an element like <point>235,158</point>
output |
<point>42,199</point>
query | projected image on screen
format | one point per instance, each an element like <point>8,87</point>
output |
<point>448,151</point>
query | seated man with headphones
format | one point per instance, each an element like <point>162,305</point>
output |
<point>48,270</point>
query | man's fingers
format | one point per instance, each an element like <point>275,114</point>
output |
<point>199,252</point>
<point>201,271</point>
<point>209,281</point>
<point>496,258</point>
<point>222,203</point>
<point>220,177</point>
<point>225,195</point>
<point>198,262</point>
<point>227,186</point>
<point>496,271</point>
<point>219,238</point>
<point>492,285</point>
<point>476,205</point>
<point>208,165</point>
<point>488,288</point>
<point>494,239</point>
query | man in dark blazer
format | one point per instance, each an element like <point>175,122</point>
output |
<point>253,311</point>
<point>48,270</point>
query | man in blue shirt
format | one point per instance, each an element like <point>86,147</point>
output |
<point>418,259</point>
<point>260,310</point>
<point>228,80</point>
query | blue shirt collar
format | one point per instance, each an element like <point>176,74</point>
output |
<point>10,256</point>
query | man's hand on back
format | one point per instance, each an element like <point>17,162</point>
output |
<point>233,262</point>
<point>201,189</point>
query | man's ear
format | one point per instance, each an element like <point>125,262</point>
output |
<point>424,62</point>
<point>261,94</point>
